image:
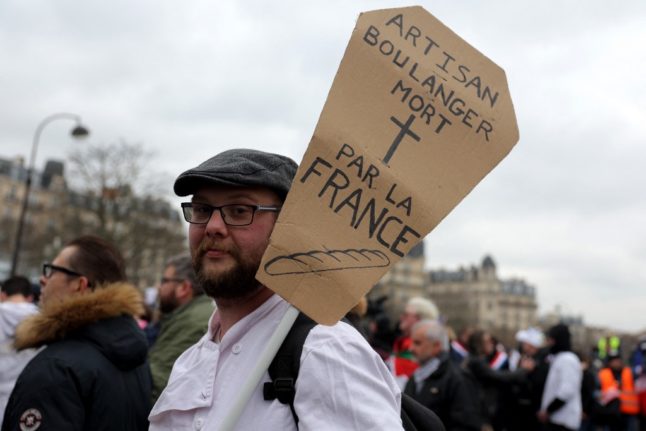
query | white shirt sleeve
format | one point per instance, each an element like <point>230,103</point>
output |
<point>343,384</point>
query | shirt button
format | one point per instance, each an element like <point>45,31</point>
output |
<point>237,348</point>
<point>198,424</point>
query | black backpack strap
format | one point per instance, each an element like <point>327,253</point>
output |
<point>283,372</point>
<point>417,417</point>
<point>283,369</point>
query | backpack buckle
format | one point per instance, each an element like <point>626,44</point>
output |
<point>281,389</point>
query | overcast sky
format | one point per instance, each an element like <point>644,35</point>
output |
<point>565,210</point>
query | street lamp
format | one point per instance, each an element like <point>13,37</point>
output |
<point>79,131</point>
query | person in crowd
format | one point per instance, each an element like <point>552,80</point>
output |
<point>402,362</point>
<point>459,345</point>
<point>92,371</point>
<point>185,312</point>
<point>618,395</point>
<point>638,364</point>
<point>438,383</point>
<point>498,358</point>
<point>530,341</point>
<point>381,335</point>
<point>520,401</point>
<point>606,345</point>
<point>590,394</point>
<point>15,305</point>
<point>342,383</point>
<point>561,407</point>
<point>638,357</point>
<point>486,382</point>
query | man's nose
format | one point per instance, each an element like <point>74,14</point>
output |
<point>43,281</point>
<point>216,224</point>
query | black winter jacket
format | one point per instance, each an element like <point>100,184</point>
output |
<point>93,374</point>
<point>446,394</point>
<point>485,382</point>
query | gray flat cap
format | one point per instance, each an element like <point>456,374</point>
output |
<point>240,167</point>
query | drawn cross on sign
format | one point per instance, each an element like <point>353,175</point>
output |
<point>393,132</point>
<point>404,130</point>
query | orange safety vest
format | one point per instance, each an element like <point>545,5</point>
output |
<point>629,403</point>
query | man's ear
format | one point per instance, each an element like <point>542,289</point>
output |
<point>184,290</point>
<point>83,284</point>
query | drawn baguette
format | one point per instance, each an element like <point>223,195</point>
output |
<point>326,260</point>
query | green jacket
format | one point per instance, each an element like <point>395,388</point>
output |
<point>178,331</point>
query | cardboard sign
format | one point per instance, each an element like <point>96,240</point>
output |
<point>416,117</point>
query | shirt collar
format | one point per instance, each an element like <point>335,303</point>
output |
<point>424,371</point>
<point>243,325</point>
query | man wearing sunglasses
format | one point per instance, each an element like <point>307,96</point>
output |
<point>342,383</point>
<point>92,371</point>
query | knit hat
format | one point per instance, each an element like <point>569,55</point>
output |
<point>240,167</point>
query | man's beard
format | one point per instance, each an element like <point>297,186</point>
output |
<point>167,305</point>
<point>236,283</point>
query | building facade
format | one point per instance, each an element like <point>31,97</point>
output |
<point>146,229</point>
<point>476,296</point>
<point>404,280</point>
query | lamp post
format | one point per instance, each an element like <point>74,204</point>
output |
<point>79,131</point>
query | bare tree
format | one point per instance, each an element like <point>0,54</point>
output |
<point>107,174</point>
<point>114,200</point>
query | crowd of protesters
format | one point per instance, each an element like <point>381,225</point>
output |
<point>85,358</point>
<point>538,384</point>
<point>469,380</point>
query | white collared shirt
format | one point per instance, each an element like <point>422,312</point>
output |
<point>342,384</point>
<point>423,372</point>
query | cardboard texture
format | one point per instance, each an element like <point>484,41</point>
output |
<point>415,118</point>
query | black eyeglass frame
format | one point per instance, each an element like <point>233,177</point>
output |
<point>165,280</point>
<point>188,206</point>
<point>50,268</point>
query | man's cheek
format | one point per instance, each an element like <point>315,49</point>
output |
<point>194,238</point>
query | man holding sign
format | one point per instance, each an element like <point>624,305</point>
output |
<point>342,383</point>
<point>415,118</point>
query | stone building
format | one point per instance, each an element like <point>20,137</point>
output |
<point>46,202</point>
<point>476,296</point>
<point>404,280</point>
<point>145,228</point>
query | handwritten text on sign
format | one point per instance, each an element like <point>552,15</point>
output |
<point>343,188</point>
<point>433,85</point>
<point>415,118</point>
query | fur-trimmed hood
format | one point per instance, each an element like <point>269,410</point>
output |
<point>59,319</point>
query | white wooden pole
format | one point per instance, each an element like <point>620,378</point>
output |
<point>256,374</point>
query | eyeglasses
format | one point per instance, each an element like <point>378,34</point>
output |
<point>48,270</point>
<point>232,215</point>
<point>165,280</point>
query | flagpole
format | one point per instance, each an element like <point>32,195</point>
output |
<point>262,365</point>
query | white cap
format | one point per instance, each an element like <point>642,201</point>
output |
<point>532,336</point>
